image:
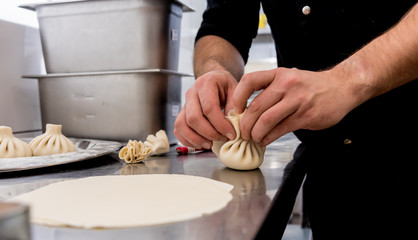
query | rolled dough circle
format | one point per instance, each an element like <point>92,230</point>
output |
<point>125,201</point>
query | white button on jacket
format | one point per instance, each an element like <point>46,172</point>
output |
<point>306,10</point>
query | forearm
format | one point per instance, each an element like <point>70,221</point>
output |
<point>387,62</point>
<point>215,53</point>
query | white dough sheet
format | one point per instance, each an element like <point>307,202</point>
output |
<point>125,201</point>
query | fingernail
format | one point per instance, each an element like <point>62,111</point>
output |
<point>230,136</point>
<point>206,145</point>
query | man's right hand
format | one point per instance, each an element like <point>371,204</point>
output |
<point>202,119</point>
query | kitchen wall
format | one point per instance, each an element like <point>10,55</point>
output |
<point>20,53</point>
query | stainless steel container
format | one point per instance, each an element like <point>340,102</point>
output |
<point>104,35</point>
<point>112,105</point>
<point>14,222</point>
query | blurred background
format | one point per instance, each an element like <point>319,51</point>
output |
<point>21,53</point>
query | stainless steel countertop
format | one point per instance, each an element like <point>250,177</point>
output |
<point>252,194</point>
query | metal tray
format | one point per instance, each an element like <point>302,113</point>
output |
<point>85,36</point>
<point>85,149</point>
<point>111,105</point>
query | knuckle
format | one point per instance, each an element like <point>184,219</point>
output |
<point>291,79</point>
<point>177,133</point>
<point>268,119</point>
<point>255,106</point>
<point>192,119</point>
<point>200,82</point>
<point>256,136</point>
<point>197,141</point>
<point>207,110</point>
<point>290,82</point>
<point>205,79</point>
<point>301,98</point>
<point>179,122</point>
<point>276,92</point>
<point>247,78</point>
<point>189,92</point>
<point>268,139</point>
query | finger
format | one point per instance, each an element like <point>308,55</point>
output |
<point>228,107</point>
<point>211,109</point>
<point>182,139</point>
<point>230,101</point>
<point>196,120</point>
<point>271,118</point>
<point>286,126</point>
<point>263,101</point>
<point>187,135</point>
<point>248,84</point>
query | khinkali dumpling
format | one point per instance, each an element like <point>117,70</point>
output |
<point>51,142</point>
<point>159,143</point>
<point>238,153</point>
<point>134,152</point>
<point>10,146</point>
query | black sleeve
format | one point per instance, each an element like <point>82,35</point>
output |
<point>234,20</point>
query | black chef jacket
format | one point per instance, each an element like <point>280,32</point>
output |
<point>360,172</point>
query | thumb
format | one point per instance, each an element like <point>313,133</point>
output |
<point>239,103</point>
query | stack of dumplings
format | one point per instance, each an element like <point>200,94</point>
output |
<point>51,142</point>
<point>12,147</point>
<point>237,153</point>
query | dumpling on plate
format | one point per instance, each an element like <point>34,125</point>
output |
<point>12,147</point>
<point>158,144</point>
<point>237,153</point>
<point>134,152</point>
<point>51,142</point>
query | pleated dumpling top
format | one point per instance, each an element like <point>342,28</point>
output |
<point>12,147</point>
<point>159,143</point>
<point>237,153</point>
<point>51,142</point>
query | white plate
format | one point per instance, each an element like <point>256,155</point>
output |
<point>85,149</point>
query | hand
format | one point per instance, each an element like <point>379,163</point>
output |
<point>291,99</point>
<point>202,120</point>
